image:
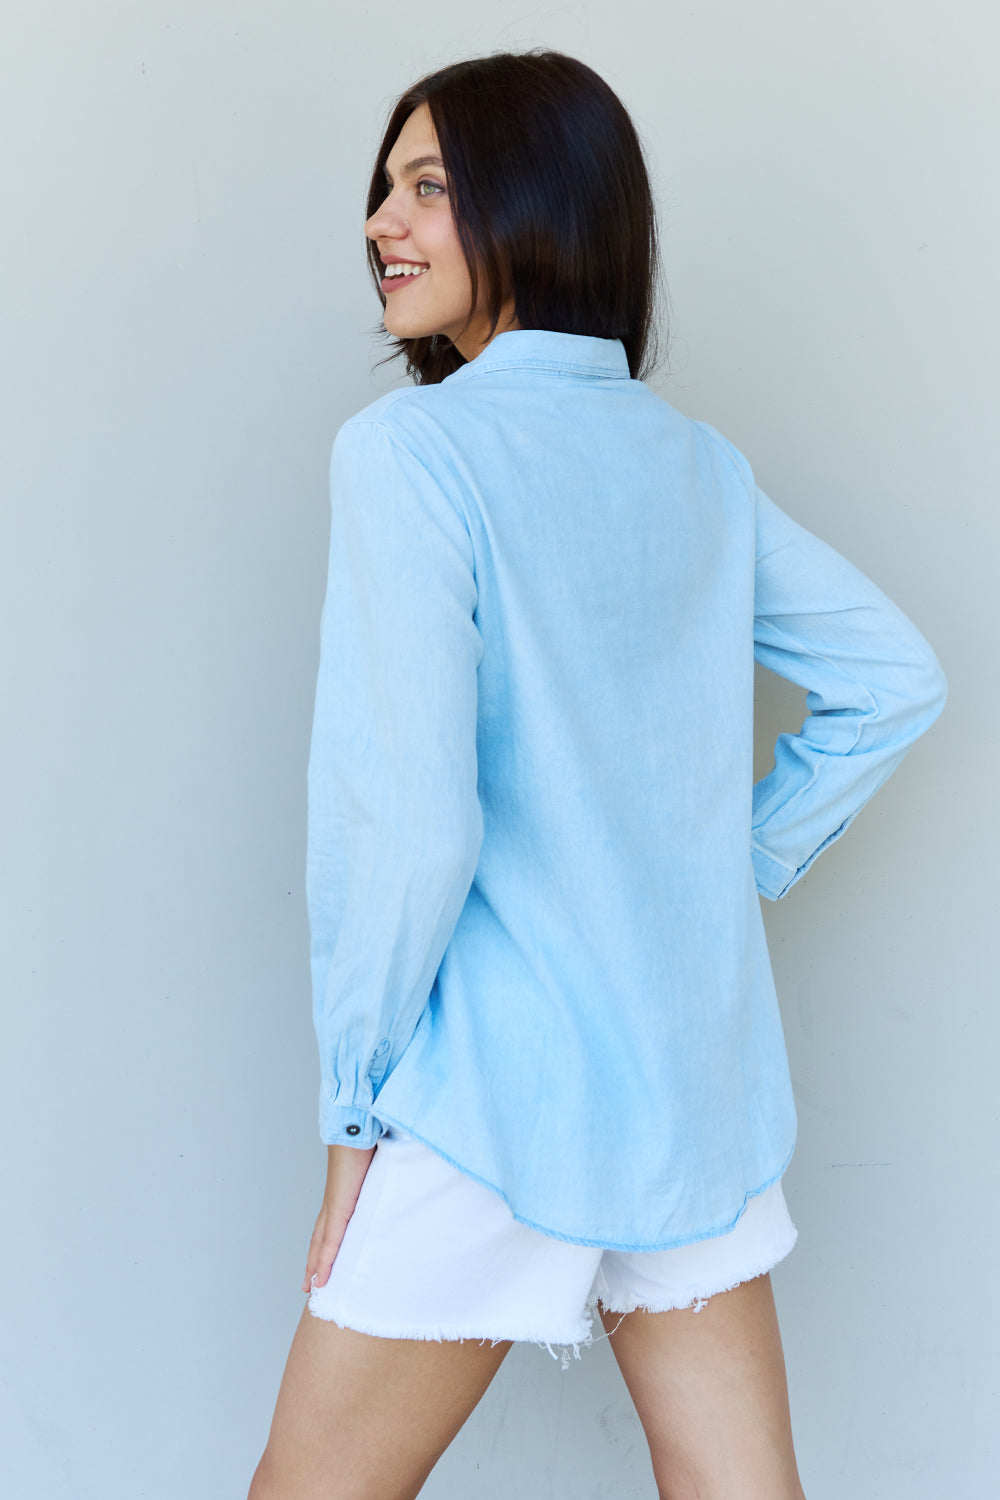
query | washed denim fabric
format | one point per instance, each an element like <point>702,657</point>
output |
<point>535,849</point>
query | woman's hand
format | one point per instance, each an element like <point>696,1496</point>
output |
<point>346,1167</point>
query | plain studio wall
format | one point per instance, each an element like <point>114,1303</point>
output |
<point>188,319</point>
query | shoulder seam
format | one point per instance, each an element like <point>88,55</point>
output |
<point>728,451</point>
<point>398,440</point>
<point>386,402</point>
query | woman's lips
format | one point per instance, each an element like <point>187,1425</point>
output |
<point>393,283</point>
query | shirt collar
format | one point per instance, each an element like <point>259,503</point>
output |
<point>544,349</point>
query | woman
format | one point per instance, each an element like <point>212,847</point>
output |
<point>553,1076</point>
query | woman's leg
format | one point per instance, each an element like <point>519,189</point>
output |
<point>710,1391</point>
<point>366,1418</point>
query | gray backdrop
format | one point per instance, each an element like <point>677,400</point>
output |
<point>188,320</point>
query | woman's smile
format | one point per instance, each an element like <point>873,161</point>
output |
<point>402,273</point>
<point>416,210</point>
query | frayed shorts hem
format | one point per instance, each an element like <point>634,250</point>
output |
<point>561,1346</point>
<point>578,1337</point>
<point>470,1271</point>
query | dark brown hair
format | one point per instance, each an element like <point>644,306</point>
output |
<point>551,201</point>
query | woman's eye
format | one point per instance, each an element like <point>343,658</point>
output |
<point>426,182</point>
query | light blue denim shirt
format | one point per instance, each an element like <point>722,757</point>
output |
<point>535,848</point>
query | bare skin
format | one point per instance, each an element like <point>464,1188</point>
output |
<point>364,1418</point>
<point>346,1170</point>
<point>710,1391</point>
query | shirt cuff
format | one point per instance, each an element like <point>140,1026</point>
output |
<point>773,879</point>
<point>346,1125</point>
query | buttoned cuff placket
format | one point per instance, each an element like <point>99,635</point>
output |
<point>355,1124</point>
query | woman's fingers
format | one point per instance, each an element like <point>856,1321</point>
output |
<point>323,1247</point>
<point>347,1168</point>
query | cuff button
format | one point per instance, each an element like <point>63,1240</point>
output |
<point>354,1130</point>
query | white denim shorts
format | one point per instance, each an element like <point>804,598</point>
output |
<point>430,1253</point>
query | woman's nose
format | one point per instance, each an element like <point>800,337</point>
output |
<point>386,222</point>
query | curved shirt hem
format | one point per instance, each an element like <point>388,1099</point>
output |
<point>576,1239</point>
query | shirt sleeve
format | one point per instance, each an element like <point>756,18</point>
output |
<point>874,685</point>
<point>394,821</point>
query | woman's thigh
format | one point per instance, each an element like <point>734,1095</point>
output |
<point>709,1388</point>
<point>365,1418</point>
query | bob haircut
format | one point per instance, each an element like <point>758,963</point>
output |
<point>551,201</point>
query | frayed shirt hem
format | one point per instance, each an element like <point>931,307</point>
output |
<point>600,1244</point>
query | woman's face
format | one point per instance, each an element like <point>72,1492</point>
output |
<point>414,224</point>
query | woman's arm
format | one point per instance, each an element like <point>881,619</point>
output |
<point>395,824</point>
<point>874,685</point>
